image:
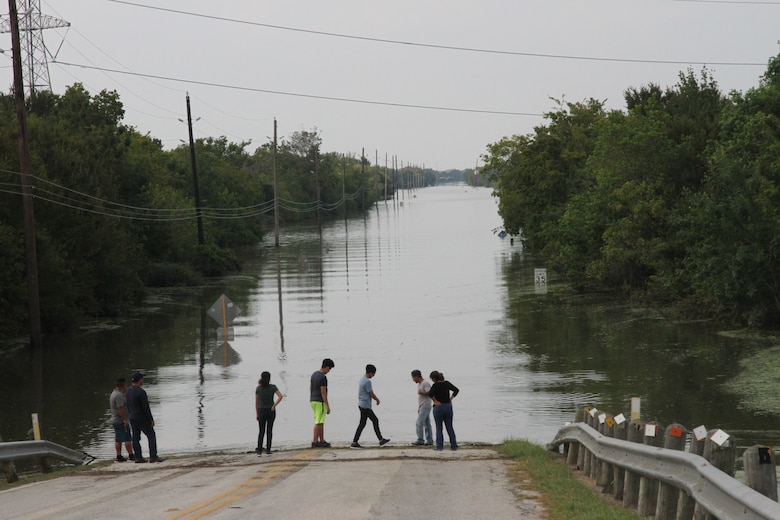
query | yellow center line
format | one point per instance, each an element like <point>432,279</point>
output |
<point>246,487</point>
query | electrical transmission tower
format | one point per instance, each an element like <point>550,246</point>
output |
<point>35,61</point>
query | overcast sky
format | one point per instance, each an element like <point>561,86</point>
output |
<point>407,78</point>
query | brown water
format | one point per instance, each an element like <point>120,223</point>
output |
<point>426,285</point>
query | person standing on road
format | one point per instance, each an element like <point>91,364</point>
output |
<point>141,419</point>
<point>424,403</point>
<point>120,420</point>
<point>365,395</point>
<point>318,390</point>
<point>442,409</point>
<point>265,408</point>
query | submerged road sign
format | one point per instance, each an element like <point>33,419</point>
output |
<point>224,311</point>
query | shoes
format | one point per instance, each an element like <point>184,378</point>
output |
<point>259,451</point>
<point>315,444</point>
<point>324,444</point>
<point>383,442</point>
<point>429,444</point>
<point>141,461</point>
<point>438,449</point>
<point>268,451</point>
<point>120,458</point>
<point>131,456</point>
<point>454,448</point>
<point>355,445</point>
<point>418,443</point>
<point>156,459</point>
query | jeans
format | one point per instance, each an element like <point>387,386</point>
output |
<point>265,418</point>
<point>148,430</point>
<point>443,414</point>
<point>365,414</point>
<point>424,432</point>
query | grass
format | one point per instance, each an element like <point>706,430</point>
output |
<point>562,494</point>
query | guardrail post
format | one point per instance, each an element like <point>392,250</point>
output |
<point>620,431</point>
<point>648,487</point>
<point>761,470</point>
<point>668,495</point>
<point>605,475</point>
<point>588,460</point>
<point>720,450</point>
<point>685,502</point>
<point>9,469</point>
<point>574,447</point>
<point>636,432</point>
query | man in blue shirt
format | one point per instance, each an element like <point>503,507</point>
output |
<point>365,395</point>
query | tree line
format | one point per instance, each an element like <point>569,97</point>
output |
<point>115,212</point>
<point>674,199</point>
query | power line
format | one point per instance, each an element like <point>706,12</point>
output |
<point>295,94</point>
<point>438,46</point>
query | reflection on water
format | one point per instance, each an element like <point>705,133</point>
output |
<point>424,285</point>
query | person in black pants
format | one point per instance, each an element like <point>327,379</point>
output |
<point>141,420</point>
<point>365,395</point>
<point>266,410</point>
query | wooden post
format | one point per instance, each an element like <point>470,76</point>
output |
<point>668,495</point>
<point>760,470</point>
<point>648,487</point>
<point>721,453</point>
<point>685,502</point>
<point>621,433</point>
<point>582,452</point>
<point>606,474</point>
<point>587,467</point>
<point>573,449</point>
<point>9,469</point>
<point>636,432</point>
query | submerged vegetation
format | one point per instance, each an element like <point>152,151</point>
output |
<point>675,199</point>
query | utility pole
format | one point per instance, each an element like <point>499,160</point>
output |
<point>317,177</point>
<point>276,195</point>
<point>25,165</point>
<point>363,179</point>
<point>198,210</point>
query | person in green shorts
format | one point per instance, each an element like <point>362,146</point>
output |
<point>318,390</point>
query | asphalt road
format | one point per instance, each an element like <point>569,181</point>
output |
<point>335,483</point>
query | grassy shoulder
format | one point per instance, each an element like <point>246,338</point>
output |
<point>563,495</point>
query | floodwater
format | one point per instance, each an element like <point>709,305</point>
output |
<point>425,283</point>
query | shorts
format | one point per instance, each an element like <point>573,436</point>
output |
<point>122,433</point>
<point>319,411</point>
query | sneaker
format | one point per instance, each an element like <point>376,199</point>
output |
<point>120,458</point>
<point>156,459</point>
<point>141,461</point>
<point>268,451</point>
<point>418,443</point>
<point>355,445</point>
<point>315,445</point>
<point>324,444</point>
<point>131,456</point>
<point>383,442</point>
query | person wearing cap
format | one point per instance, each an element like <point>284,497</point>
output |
<point>120,420</point>
<point>141,419</point>
<point>318,390</point>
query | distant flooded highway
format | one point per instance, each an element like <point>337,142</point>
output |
<point>426,284</point>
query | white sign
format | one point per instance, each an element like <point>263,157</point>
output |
<point>720,437</point>
<point>620,418</point>
<point>540,281</point>
<point>651,430</point>
<point>700,433</point>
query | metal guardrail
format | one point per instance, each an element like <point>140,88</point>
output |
<point>714,490</point>
<point>17,450</point>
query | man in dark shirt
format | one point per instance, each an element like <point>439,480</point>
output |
<point>318,390</point>
<point>141,420</point>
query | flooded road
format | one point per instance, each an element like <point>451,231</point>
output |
<point>424,285</point>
